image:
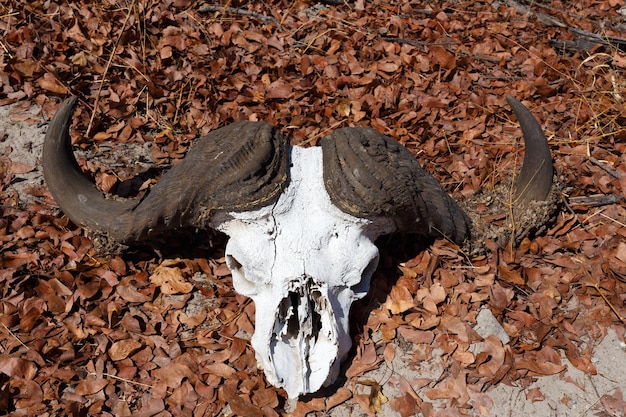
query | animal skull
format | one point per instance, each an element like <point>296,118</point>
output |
<point>303,262</point>
<point>302,223</point>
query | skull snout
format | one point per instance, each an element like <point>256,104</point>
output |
<point>303,343</point>
<point>298,312</point>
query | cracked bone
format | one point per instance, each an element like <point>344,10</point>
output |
<point>303,262</point>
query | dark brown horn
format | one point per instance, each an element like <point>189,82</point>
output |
<point>535,179</point>
<point>239,167</point>
<point>368,174</point>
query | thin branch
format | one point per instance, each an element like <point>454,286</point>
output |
<point>415,42</point>
<point>602,165</point>
<point>108,375</point>
<point>243,12</point>
<point>14,336</point>
<point>619,43</point>
<point>594,200</point>
<point>595,285</point>
<point>334,2</point>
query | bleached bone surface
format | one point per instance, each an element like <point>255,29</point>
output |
<point>303,262</point>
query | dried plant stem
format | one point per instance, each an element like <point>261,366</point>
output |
<point>595,285</point>
<point>612,219</point>
<point>610,171</point>
<point>106,69</point>
<point>14,336</point>
<point>323,132</point>
<point>597,200</point>
<point>6,51</point>
<point>243,12</point>
<point>230,319</point>
<point>107,375</point>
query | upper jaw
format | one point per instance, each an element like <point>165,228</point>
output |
<point>301,343</point>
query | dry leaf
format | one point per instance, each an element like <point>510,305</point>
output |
<point>239,404</point>
<point>123,348</point>
<point>90,386</point>
<point>50,83</point>
<point>534,395</point>
<point>27,67</point>
<point>376,397</point>
<point>21,167</point>
<point>170,279</point>
<point>219,369</point>
<point>405,405</point>
<point>342,395</point>
<point>279,89</point>
<point>399,300</point>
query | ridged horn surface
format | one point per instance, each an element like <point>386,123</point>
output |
<point>242,166</point>
<point>535,179</point>
<point>368,174</point>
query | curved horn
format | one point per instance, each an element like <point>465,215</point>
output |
<point>535,179</point>
<point>368,174</point>
<point>239,167</point>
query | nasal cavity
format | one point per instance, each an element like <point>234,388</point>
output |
<point>299,314</point>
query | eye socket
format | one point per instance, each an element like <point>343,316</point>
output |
<point>242,284</point>
<point>362,287</point>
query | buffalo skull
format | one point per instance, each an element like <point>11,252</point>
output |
<point>301,223</point>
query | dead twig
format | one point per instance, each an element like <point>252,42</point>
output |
<point>619,43</point>
<point>112,55</point>
<point>595,285</point>
<point>594,200</point>
<point>588,38</point>
<point>108,375</point>
<point>14,336</point>
<point>415,42</point>
<point>243,12</point>
<point>542,17</point>
<point>602,165</point>
<point>334,2</point>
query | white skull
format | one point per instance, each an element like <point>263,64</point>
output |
<point>303,262</point>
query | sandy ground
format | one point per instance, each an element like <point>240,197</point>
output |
<point>570,393</point>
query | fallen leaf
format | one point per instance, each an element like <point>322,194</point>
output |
<point>170,279</point>
<point>543,368</point>
<point>405,405</point>
<point>219,369</point>
<point>123,348</point>
<point>27,67</point>
<point>50,83</point>
<point>17,367</point>
<point>376,397</point>
<point>19,168</point>
<point>173,374</point>
<point>399,300</point>
<point>90,385</point>
<point>279,89</point>
<point>342,395</point>
<point>534,395</point>
<point>239,405</point>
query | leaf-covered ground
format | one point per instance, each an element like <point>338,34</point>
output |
<point>161,332</point>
